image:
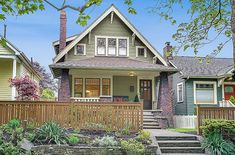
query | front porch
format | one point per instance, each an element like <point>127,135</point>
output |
<point>115,86</point>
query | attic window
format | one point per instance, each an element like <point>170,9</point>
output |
<point>80,49</point>
<point>141,51</point>
<point>122,45</point>
<point>101,46</point>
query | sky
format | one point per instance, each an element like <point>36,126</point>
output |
<point>33,34</point>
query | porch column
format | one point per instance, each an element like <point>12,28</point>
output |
<point>165,98</point>
<point>64,89</point>
<point>13,89</point>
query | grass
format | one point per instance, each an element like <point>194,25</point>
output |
<point>183,130</point>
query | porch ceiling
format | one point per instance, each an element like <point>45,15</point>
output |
<point>110,63</point>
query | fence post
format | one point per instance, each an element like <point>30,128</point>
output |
<point>142,113</point>
<point>198,120</point>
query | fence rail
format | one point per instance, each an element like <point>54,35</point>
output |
<point>227,113</point>
<point>113,115</point>
<point>185,121</point>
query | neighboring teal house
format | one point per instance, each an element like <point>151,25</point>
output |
<point>202,83</point>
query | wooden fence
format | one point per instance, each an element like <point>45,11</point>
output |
<point>226,113</point>
<point>185,121</point>
<point>114,116</point>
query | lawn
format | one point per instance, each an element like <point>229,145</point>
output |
<point>183,130</point>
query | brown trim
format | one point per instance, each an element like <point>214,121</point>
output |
<point>86,86</point>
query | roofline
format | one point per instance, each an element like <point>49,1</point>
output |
<point>206,77</point>
<point>70,38</point>
<point>21,56</point>
<point>112,8</point>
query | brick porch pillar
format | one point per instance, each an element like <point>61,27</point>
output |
<point>64,89</point>
<point>164,100</point>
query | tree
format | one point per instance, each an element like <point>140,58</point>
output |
<point>48,94</point>
<point>47,81</point>
<point>206,16</point>
<point>21,7</point>
<point>26,88</point>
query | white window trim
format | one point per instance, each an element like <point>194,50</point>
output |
<point>205,82</point>
<point>145,51</point>
<point>117,48</point>
<point>178,95</point>
<point>75,49</point>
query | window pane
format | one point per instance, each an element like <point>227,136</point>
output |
<point>180,92</point>
<point>106,87</point>
<point>122,44</point>
<point>80,49</point>
<point>92,87</point>
<point>141,51</point>
<point>228,89</point>
<point>204,93</point>
<point>112,46</point>
<point>101,46</point>
<point>78,87</point>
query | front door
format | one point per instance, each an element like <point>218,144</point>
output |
<point>229,90</point>
<point>146,93</point>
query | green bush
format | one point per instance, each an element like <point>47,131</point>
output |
<point>50,133</point>
<point>48,94</point>
<point>144,137</point>
<point>132,147</point>
<point>73,140</point>
<point>13,124</point>
<point>232,99</point>
<point>105,141</point>
<point>217,145</point>
<point>222,126</point>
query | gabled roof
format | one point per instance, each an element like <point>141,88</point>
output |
<point>191,67</point>
<point>112,8</point>
<point>21,56</point>
<point>113,63</point>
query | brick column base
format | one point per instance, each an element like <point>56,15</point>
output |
<point>64,89</point>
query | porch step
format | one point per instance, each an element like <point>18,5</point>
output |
<point>179,143</point>
<point>176,138</point>
<point>149,120</point>
<point>151,124</point>
<point>182,150</point>
<point>151,127</point>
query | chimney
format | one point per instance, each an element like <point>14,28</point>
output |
<point>167,50</point>
<point>5,31</point>
<point>62,30</point>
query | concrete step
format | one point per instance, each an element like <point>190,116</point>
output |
<point>149,120</point>
<point>179,143</point>
<point>177,138</point>
<point>150,124</point>
<point>182,150</point>
<point>183,154</point>
<point>148,117</point>
<point>151,127</point>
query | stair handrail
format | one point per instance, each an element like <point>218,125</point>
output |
<point>226,103</point>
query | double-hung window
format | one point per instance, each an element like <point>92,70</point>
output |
<point>180,94</point>
<point>80,49</point>
<point>205,93</point>
<point>111,46</point>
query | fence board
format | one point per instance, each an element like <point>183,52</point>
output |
<point>226,113</point>
<point>113,115</point>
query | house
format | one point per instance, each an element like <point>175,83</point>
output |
<point>13,63</point>
<point>208,82</point>
<point>111,61</point>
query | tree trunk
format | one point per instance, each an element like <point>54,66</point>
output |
<point>233,28</point>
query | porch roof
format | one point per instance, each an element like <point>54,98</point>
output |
<point>110,63</point>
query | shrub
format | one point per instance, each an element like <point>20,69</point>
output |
<point>48,94</point>
<point>132,147</point>
<point>95,126</point>
<point>105,141</point>
<point>50,133</point>
<point>217,145</point>
<point>13,124</point>
<point>232,99</point>
<point>73,140</point>
<point>222,126</point>
<point>144,137</point>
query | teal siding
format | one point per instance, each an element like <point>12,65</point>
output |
<point>189,95</point>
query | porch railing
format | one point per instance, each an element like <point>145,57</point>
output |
<point>226,103</point>
<point>88,99</point>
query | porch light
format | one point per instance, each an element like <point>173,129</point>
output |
<point>131,73</point>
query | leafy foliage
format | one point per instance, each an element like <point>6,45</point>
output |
<point>50,133</point>
<point>95,126</point>
<point>232,99</point>
<point>73,140</point>
<point>144,137</point>
<point>48,94</point>
<point>204,17</point>
<point>105,141</point>
<point>132,147</point>
<point>217,145</point>
<point>26,88</point>
<point>47,81</point>
<point>222,126</point>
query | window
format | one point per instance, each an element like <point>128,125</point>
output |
<point>180,92</point>
<point>80,49</point>
<point>101,46</point>
<point>205,92</point>
<point>78,87</point>
<point>106,87</point>
<point>141,51</point>
<point>122,47</point>
<point>112,44</point>
<point>92,87</point>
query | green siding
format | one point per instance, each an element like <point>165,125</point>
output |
<point>121,86</point>
<point>105,28</point>
<point>189,94</point>
<point>5,75</point>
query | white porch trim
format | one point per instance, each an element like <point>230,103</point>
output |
<point>13,89</point>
